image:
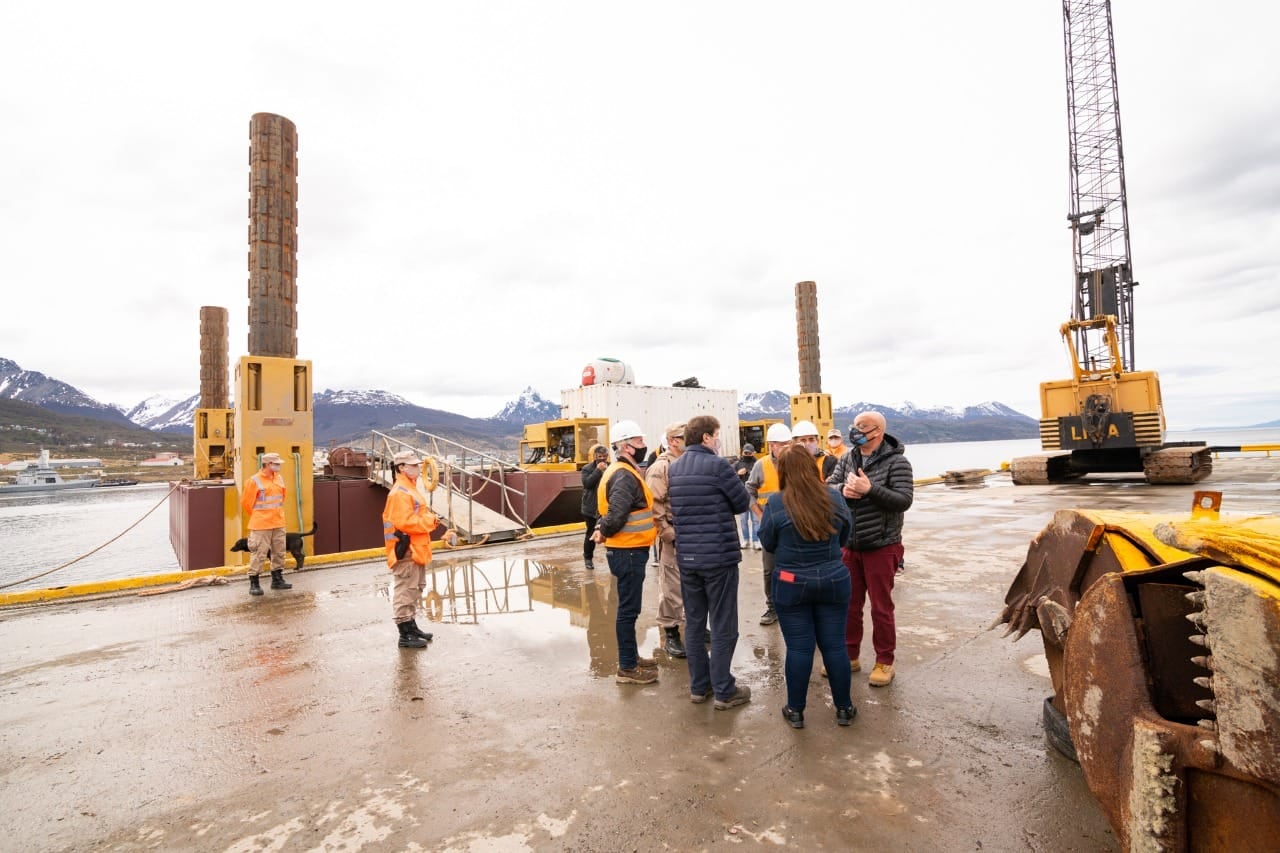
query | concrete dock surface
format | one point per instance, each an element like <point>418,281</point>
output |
<point>210,720</point>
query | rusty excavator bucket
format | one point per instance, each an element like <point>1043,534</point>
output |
<point>1163,643</point>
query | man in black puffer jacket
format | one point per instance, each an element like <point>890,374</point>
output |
<point>705,497</point>
<point>876,480</point>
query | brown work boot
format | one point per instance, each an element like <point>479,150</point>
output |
<point>881,675</point>
<point>741,696</point>
<point>854,666</point>
<point>639,675</point>
<point>699,698</point>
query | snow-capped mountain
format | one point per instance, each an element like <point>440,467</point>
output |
<point>165,414</point>
<point>364,397</point>
<point>907,421</point>
<point>30,386</point>
<point>529,408</point>
<point>764,404</point>
<point>344,415</point>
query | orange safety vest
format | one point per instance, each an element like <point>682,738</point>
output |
<point>407,512</point>
<point>263,501</point>
<point>639,530</point>
<point>770,484</point>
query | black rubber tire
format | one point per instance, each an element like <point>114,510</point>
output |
<point>1057,732</point>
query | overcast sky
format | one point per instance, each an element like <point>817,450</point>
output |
<point>494,193</point>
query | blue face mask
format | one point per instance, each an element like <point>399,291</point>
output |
<point>857,437</point>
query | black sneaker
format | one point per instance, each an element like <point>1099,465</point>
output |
<point>844,716</point>
<point>741,696</point>
<point>769,617</point>
<point>590,564</point>
<point>793,717</point>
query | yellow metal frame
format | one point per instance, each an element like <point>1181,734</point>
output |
<point>273,414</point>
<point>214,436</point>
<point>815,408</point>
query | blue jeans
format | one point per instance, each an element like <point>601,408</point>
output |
<point>812,607</point>
<point>714,592</point>
<point>627,565</point>
<point>748,528</point>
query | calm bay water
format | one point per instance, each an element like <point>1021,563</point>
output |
<point>39,532</point>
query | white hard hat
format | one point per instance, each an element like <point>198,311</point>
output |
<point>268,458</point>
<point>405,457</point>
<point>802,428</point>
<point>778,432</point>
<point>623,430</point>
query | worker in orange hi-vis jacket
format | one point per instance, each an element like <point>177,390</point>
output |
<point>262,500</point>
<point>407,523</point>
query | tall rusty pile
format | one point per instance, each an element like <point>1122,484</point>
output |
<point>214,393</point>
<point>273,236</point>
<point>807,337</point>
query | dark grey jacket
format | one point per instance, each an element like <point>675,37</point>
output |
<point>590,483</point>
<point>878,515</point>
<point>705,497</point>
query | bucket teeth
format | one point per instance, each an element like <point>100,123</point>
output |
<point>1204,681</point>
<point>1199,640</point>
<point>1197,619</point>
<point>1195,577</point>
<point>1208,744</point>
<point>1211,725</point>
<point>1203,661</point>
<point>1196,598</point>
<point>1207,705</point>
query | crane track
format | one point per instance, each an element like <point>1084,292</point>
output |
<point>1178,465</point>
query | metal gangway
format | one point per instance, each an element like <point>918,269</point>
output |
<point>464,475</point>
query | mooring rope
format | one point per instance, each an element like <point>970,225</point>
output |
<point>172,489</point>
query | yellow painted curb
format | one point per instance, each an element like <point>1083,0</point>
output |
<point>33,596</point>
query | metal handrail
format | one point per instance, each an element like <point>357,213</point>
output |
<point>473,470</point>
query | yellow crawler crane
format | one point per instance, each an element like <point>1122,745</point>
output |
<point>1108,417</point>
<point>1163,643</point>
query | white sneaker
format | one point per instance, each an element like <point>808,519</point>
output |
<point>742,543</point>
<point>757,546</point>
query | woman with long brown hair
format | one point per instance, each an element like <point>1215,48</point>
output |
<point>804,525</point>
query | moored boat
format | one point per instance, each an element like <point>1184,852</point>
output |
<point>40,476</point>
<point>114,481</point>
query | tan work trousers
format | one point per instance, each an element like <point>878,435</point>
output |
<point>407,580</point>
<point>670,602</point>
<point>260,543</point>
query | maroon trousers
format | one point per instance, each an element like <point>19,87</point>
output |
<point>871,575</point>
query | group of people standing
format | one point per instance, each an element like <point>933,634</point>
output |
<point>830,525</point>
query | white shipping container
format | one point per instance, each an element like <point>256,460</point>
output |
<point>653,407</point>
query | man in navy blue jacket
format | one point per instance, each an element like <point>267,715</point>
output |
<point>705,496</point>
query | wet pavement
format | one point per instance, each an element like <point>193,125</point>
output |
<point>209,720</point>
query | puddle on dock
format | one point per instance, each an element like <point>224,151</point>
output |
<point>536,604</point>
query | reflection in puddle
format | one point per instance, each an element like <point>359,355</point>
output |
<point>463,591</point>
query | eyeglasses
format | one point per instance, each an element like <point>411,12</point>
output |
<point>869,431</point>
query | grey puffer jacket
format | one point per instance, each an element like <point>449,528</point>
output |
<point>878,515</point>
<point>705,497</point>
